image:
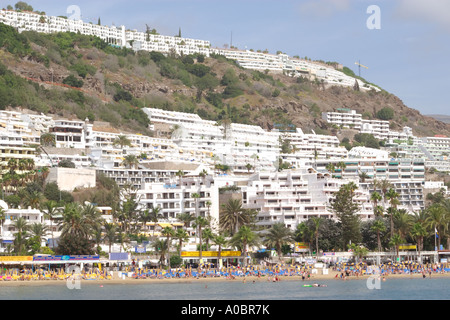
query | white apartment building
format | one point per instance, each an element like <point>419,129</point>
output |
<point>294,196</point>
<point>12,147</point>
<point>235,145</point>
<point>345,118</point>
<point>407,176</point>
<point>291,66</point>
<point>69,134</point>
<point>177,195</point>
<point>29,21</point>
<point>11,123</point>
<point>50,157</point>
<point>438,141</point>
<point>8,230</point>
<point>307,148</point>
<point>378,128</point>
<point>38,122</point>
<point>434,151</point>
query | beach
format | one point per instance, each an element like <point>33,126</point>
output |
<point>314,278</point>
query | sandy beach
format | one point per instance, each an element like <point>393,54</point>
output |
<point>315,278</point>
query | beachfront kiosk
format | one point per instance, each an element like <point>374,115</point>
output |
<point>226,257</point>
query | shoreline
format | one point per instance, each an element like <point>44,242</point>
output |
<point>129,281</point>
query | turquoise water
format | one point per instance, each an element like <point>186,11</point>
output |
<point>392,289</point>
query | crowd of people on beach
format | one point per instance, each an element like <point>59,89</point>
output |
<point>345,270</point>
<point>272,273</point>
<point>31,274</point>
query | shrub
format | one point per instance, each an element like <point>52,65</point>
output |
<point>73,81</point>
<point>66,164</point>
<point>83,70</point>
<point>14,42</point>
<point>232,91</point>
<point>276,93</point>
<point>385,114</point>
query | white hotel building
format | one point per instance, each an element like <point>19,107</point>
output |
<point>294,196</point>
<point>344,117</point>
<point>347,118</point>
<point>309,147</point>
<point>407,176</point>
<point>120,36</point>
<point>175,196</point>
<point>234,145</point>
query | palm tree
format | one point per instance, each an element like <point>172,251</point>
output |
<point>186,218</point>
<point>331,168</point>
<point>48,140</point>
<point>21,226</point>
<point>277,237</point>
<point>375,197</point>
<point>420,216</point>
<point>97,235</point>
<point>130,161</point>
<point>182,236</point>
<point>77,220</point>
<point>196,196</point>
<point>38,231</point>
<point>436,220</point>
<point>383,185</point>
<point>419,232</point>
<point>363,176</point>
<point>200,223</point>
<point>203,175</point>
<point>29,164</point>
<point>403,222</point>
<point>180,174</point>
<point>316,222</point>
<point>145,216</point>
<point>155,215</point>
<point>33,199</point>
<point>341,165</point>
<point>50,210</point>
<point>378,227</point>
<point>12,165</point>
<point>391,212</point>
<point>396,241</point>
<point>160,246</point>
<point>358,250</point>
<point>243,238</point>
<point>302,233</point>
<point>207,235</point>
<point>168,232</point>
<point>233,216</point>
<point>392,196</point>
<point>110,233</point>
<point>208,204</point>
<point>21,165</point>
<point>122,141</point>
<point>220,241</point>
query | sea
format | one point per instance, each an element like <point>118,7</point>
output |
<point>433,288</point>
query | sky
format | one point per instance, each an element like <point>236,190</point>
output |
<point>404,43</point>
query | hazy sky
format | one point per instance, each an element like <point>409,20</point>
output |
<point>408,56</point>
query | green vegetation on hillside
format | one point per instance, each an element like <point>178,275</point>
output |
<point>113,84</point>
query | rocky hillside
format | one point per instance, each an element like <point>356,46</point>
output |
<point>77,76</point>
